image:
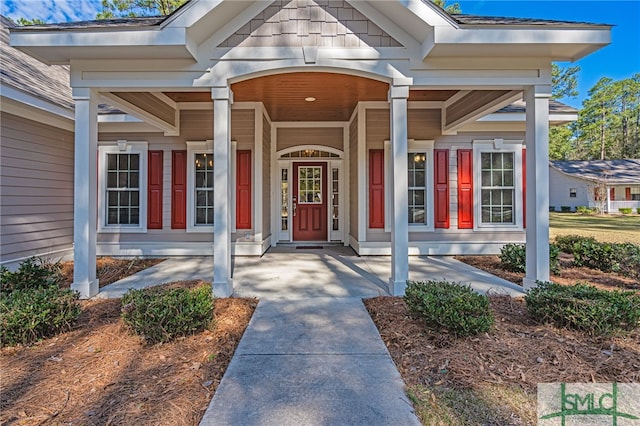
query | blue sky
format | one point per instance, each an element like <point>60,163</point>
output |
<point>619,60</point>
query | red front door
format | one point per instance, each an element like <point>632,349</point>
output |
<point>309,201</point>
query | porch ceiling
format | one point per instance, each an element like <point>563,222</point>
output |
<point>336,95</point>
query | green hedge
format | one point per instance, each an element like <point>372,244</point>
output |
<point>161,315</point>
<point>513,257</point>
<point>623,258</point>
<point>28,315</point>
<point>32,305</point>
<point>456,308</point>
<point>584,307</point>
<point>625,210</point>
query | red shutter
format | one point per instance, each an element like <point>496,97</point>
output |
<point>441,186</point>
<point>627,193</point>
<point>376,188</point>
<point>178,189</point>
<point>243,190</point>
<point>154,190</point>
<point>465,189</point>
<point>524,188</point>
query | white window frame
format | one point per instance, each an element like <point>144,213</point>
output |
<point>193,148</point>
<point>414,146</point>
<point>498,146</point>
<point>122,147</point>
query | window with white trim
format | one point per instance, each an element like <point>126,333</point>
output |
<point>635,193</point>
<point>419,185</point>
<point>122,171</point>
<point>498,188</point>
<point>200,186</point>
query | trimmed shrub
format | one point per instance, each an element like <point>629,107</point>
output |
<point>29,314</point>
<point>565,209</point>
<point>638,210</point>
<point>161,315</point>
<point>32,305</point>
<point>584,307</point>
<point>32,273</point>
<point>456,308</point>
<point>584,210</point>
<point>566,242</point>
<point>625,210</point>
<point>552,209</point>
<point>513,257</point>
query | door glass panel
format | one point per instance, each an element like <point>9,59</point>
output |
<point>284,201</point>
<point>310,185</point>
<point>335,196</point>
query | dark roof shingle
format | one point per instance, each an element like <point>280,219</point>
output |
<point>609,171</point>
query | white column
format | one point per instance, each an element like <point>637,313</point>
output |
<point>85,197</point>
<point>537,142</point>
<point>222,99</point>
<point>398,95</point>
<point>608,190</point>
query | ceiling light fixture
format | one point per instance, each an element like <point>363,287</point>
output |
<point>310,99</point>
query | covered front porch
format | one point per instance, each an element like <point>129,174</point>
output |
<point>234,99</point>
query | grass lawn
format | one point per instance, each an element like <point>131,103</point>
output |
<point>613,229</point>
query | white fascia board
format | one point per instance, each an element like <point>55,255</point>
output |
<point>11,106</point>
<point>506,117</point>
<point>48,45</point>
<point>35,102</point>
<point>118,118</point>
<point>560,43</point>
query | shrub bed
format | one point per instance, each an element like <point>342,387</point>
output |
<point>161,315</point>
<point>454,307</point>
<point>584,307</point>
<point>625,210</point>
<point>623,258</point>
<point>32,305</point>
<point>513,257</point>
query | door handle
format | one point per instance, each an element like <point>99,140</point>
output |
<point>294,208</point>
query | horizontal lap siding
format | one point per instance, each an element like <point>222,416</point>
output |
<point>36,170</point>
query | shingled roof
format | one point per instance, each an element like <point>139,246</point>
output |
<point>27,74</point>
<point>614,172</point>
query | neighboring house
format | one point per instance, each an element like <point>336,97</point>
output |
<point>605,184</point>
<point>363,123</point>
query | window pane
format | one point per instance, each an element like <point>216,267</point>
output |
<point>486,160</point>
<point>112,216</point>
<point>134,161</point>
<point>419,179</point>
<point>124,198</point>
<point>112,161</point>
<point>486,197</point>
<point>496,179</point>
<point>507,160</point>
<point>123,161</point>
<point>508,178</point>
<point>134,180</point>
<point>486,178</point>
<point>201,215</point>
<point>486,214</point>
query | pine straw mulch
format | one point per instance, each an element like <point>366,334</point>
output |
<point>568,274</point>
<point>516,353</point>
<point>99,374</point>
<point>110,269</point>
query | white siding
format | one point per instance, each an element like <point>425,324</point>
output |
<point>36,192</point>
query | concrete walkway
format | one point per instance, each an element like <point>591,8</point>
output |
<point>311,354</point>
<point>314,361</point>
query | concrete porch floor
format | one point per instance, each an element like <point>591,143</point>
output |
<point>293,273</point>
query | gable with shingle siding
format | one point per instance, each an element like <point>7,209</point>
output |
<point>321,23</point>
